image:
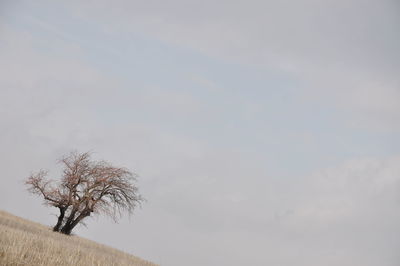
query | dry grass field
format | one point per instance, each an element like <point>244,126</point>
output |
<point>23,242</point>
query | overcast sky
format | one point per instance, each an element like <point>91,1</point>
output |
<point>263,132</point>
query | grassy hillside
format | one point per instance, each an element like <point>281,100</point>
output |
<point>23,242</point>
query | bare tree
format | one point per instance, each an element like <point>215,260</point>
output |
<point>86,186</point>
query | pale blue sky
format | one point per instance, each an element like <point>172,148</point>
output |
<point>262,131</point>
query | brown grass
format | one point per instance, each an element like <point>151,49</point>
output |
<point>23,242</point>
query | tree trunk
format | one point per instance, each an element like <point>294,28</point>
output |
<point>67,229</point>
<point>56,228</point>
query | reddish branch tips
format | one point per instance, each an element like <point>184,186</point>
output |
<point>86,187</point>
